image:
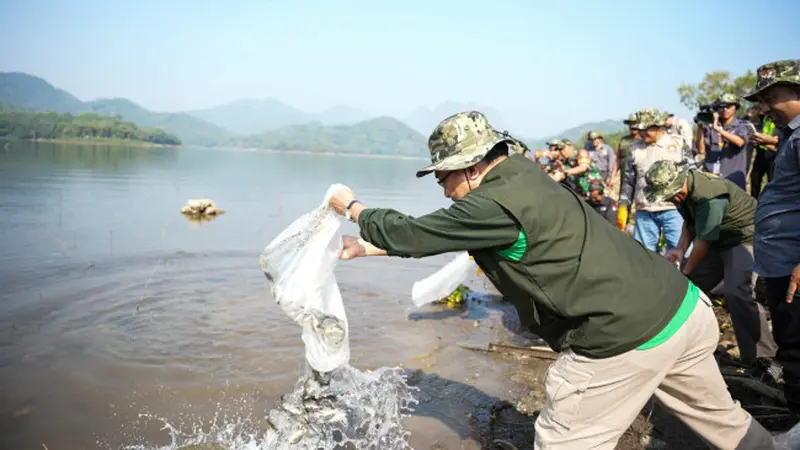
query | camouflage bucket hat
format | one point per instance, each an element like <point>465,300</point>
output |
<point>632,119</point>
<point>786,71</point>
<point>593,135</point>
<point>728,99</point>
<point>566,142</point>
<point>554,142</point>
<point>664,179</point>
<point>460,141</point>
<point>651,118</point>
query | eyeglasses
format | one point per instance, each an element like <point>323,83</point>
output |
<point>443,179</point>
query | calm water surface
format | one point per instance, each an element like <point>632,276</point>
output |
<point>113,306</point>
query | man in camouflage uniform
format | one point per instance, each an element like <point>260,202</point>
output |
<point>624,146</point>
<point>624,215</point>
<point>603,157</point>
<point>626,324</point>
<point>652,218</point>
<point>577,171</point>
<point>719,222</point>
<point>777,219</point>
<point>553,145</point>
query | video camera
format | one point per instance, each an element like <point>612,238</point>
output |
<point>706,114</point>
<point>545,163</point>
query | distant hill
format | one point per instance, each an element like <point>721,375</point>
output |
<point>259,116</point>
<point>578,134</point>
<point>340,115</point>
<point>51,125</point>
<point>270,123</point>
<point>379,136</point>
<point>424,119</point>
<point>189,129</point>
<point>35,94</point>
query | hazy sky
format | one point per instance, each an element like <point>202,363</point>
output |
<point>544,65</point>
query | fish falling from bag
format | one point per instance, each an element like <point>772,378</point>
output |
<point>299,265</point>
<point>333,405</point>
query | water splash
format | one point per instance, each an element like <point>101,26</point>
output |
<point>344,409</point>
<point>333,405</point>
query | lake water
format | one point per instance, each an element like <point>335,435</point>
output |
<point>115,310</point>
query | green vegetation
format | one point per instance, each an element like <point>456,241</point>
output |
<point>88,126</point>
<point>29,92</point>
<point>189,129</point>
<point>332,131</point>
<point>612,130</point>
<point>381,136</point>
<point>23,91</point>
<point>714,84</point>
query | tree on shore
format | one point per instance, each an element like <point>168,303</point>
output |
<point>713,85</point>
<point>52,125</point>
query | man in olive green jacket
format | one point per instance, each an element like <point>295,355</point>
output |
<point>719,221</point>
<point>627,324</point>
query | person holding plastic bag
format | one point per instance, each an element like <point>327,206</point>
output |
<point>626,324</point>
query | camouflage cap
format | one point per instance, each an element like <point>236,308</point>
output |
<point>785,71</point>
<point>632,119</point>
<point>592,135</point>
<point>728,99</point>
<point>461,141</point>
<point>555,142</point>
<point>664,179</point>
<point>651,118</point>
<point>566,142</point>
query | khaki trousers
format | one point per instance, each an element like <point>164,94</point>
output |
<point>589,403</point>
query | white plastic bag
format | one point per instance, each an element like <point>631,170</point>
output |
<point>299,265</point>
<point>444,281</point>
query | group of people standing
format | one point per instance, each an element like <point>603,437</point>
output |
<point>628,325</point>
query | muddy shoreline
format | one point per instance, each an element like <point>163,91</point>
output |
<point>511,417</point>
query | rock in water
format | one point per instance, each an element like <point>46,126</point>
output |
<point>201,207</point>
<point>200,204</point>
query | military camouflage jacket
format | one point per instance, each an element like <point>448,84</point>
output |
<point>642,157</point>
<point>580,183</point>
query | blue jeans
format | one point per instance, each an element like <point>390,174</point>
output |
<point>649,225</point>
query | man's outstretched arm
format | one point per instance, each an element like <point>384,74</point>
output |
<point>472,223</point>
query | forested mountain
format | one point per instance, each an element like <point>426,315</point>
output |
<point>381,136</point>
<point>28,92</point>
<point>259,116</point>
<point>270,123</point>
<point>53,125</point>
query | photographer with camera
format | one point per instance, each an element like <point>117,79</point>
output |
<point>723,139</point>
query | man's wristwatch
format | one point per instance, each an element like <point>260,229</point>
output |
<point>348,210</point>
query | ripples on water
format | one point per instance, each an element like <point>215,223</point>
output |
<point>113,305</point>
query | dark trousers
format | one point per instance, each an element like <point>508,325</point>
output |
<point>734,268</point>
<point>786,331</point>
<point>760,168</point>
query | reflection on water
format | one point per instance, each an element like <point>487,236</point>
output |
<point>113,305</point>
